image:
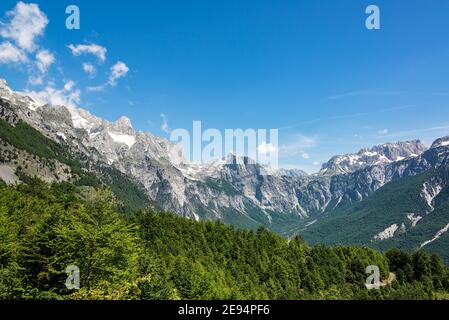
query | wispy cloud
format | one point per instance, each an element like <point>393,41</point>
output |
<point>26,23</point>
<point>20,32</point>
<point>89,69</point>
<point>9,53</point>
<point>165,127</point>
<point>415,132</point>
<point>267,148</point>
<point>347,116</point>
<point>67,96</point>
<point>69,85</point>
<point>117,71</point>
<point>383,131</point>
<point>385,93</point>
<point>298,146</point>
<point>93,49</point>
<point>44,59</point>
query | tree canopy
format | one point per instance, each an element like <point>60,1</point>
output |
<point>156,255</point>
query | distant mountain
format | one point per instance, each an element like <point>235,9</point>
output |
<point>410,213</point>
<point>63,143</point>
<point>30,146</point>
<point>378,155</point>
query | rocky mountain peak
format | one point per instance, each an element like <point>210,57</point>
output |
<point>3,83</point>
<point>124,123</point>
<point>5,91</point>
<point>19,99</point>
<point>441,142</point>
<point>377,155</point>
<point>234,185</point>
<point>233,159</point>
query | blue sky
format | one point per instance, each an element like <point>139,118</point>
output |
<point>309,68</point>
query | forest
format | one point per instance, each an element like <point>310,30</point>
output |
<point>144,254</point>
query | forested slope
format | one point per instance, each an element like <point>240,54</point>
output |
<point>148,255</point>
<point>420,218</point>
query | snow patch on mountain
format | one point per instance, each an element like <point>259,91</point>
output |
<point>311,223</point>
<point>61,135</point>
<point>431,189</point>
<point>436,237</point>
<point>123,138</point>
<point>78,121</point>
<point>387,233</point>
<point>414,218</point>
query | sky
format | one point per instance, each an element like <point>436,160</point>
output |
<point>309,68</point>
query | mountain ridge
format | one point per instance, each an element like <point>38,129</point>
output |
<point>235,190</point>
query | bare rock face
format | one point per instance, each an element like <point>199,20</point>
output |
<point>229,189</point>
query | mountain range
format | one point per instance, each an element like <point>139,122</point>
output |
<point>391,195</point>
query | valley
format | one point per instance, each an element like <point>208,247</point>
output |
<point>391,195</point>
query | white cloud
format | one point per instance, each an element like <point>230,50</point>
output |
<point>383,132</point>
<point>97,88</point>
<point>316,163</point>
<point>94,49</point>
<point>267,148</point>
<point>89,69</point>
<point>386,93</point>
<point>165,127</point>
<point>118,70</point>
<point>11,54</point>
<point>50,95</point>
<point>306,142</point>
<point>44,59</point>
<point>411,134</point>
<point>69,85</point>
<point>298,145</point>
<point>26,23</point>
<point>36,80</point>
